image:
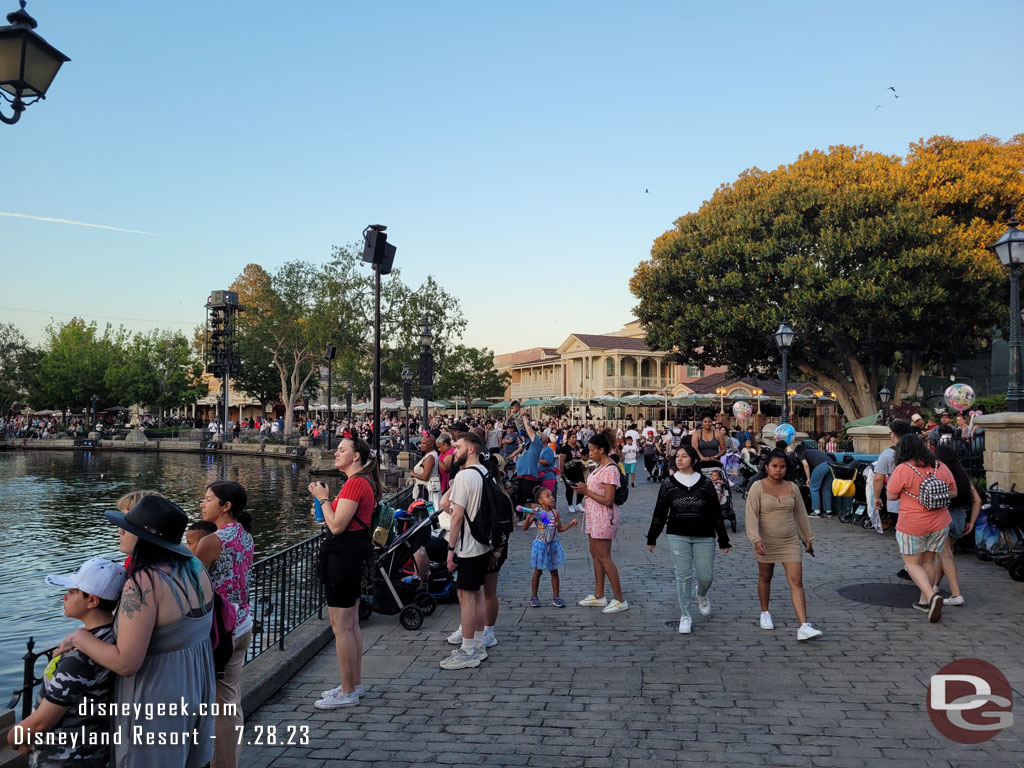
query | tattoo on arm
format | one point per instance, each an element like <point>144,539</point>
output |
<point>133,600</point>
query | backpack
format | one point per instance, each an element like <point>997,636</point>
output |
<point>677,438</point>
<point>622,492</point>
<point>225,619</point>
<point>492,525</point>
<point>934,493</point>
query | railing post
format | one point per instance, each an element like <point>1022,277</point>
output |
<point>28,679</point>
<point>280,606</point>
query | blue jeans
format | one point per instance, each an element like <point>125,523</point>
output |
<point>691,553</point>
<point>821,488</point>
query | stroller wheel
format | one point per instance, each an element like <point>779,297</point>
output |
<point>866,524</point>
<point>426,602</point>
<point>846,516</point>
<point>983,555</point>
<point>411,617</point>
<point>365,609</point>
<point>1017,570</point>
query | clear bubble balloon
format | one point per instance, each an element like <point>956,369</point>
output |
<point>959,397</point>
<point>785,432</point>
<point>741,410</point>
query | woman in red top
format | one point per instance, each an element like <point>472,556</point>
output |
<point>920,532</point>
<point>342,555</point>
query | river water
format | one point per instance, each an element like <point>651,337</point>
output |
<point>51,521</point>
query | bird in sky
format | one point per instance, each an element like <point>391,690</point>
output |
<point>646,191</point>
<point>878,107</point>
<point>893,89</point>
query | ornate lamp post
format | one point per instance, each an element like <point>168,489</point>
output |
<point>720,391</point>
<point>407,400</point>
<point>1010,250</point>
<point>329,353</point>
<point>28,64</point>
<point>426,365</point>
<point>757,392</point>
<point>784,340</point>
<point>884,396</point>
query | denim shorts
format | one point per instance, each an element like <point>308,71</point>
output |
<point>956,528</point>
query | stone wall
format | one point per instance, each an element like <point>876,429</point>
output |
<point>1004,449</point>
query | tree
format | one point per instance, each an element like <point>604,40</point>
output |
<point>73,365</point>
<point>16,360</point>
<point>257,376</point>
<point>468,373</point>
<point>878,262</point>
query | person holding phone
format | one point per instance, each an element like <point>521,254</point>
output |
<point>777,522</point>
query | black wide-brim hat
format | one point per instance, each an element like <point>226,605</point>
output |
<point>157,520</point>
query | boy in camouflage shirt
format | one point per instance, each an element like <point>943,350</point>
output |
<point>69,725</point>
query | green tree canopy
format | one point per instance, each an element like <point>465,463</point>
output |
<point>468,373</point>
<point>73,366</point>
<point>878,263</point>
<point>17,358</point>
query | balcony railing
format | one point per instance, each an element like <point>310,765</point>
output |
<point>535,389</point>
<point>634,382</point>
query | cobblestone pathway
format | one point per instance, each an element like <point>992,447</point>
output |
<point>574,687</point>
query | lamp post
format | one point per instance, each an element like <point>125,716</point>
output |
<point>407,400</point>
<point>1010,250</point>
<point>329,353</point>
<point>426,365</point>
<point>720,391</point>
<point>784,340</point>
<point>381,254</point>
<point>93,401</point>
<point>28,64</point>
<point>884,396</point>
<point>757,392</point>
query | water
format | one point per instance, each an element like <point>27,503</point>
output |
<point>51,521</point>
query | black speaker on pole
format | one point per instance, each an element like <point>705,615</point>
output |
<point>377,250</point>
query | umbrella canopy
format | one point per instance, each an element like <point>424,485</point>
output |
<point>532,401</point>
<point>481,404</point>
<point>499,406</point>
<point>643,400</point>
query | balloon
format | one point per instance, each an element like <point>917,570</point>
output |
<point>785,432</point>
<point>741,410</point>
<point>959,397</point>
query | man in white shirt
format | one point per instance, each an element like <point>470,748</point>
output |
<point>473,556</point>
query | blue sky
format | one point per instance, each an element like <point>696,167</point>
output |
<point>506,145</point>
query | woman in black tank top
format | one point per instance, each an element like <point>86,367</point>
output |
<point>708,443</point>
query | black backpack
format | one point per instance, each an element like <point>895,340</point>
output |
<point>492,525</point>
<point>622,492</point>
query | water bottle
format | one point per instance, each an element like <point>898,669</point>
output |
<point>318,511</point>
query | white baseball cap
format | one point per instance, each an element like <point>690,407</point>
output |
<point>97,576</point>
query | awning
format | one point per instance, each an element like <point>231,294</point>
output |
<point>864,421</point>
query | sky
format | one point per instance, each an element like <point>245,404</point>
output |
<point>525,154</point>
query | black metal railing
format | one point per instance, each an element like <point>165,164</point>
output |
<point>971,454</point>
<point>29,680</point>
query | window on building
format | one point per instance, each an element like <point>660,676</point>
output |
<point>694,372</point>
<point>609,367</point>
<point>645,368</point>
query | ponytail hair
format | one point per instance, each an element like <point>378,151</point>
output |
<point>369,465</point>
<point>613,441</point>
<point>229,490</point>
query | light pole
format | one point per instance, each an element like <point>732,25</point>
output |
<point>784,340</point>
<point>93,401</point>
<point>407,400</point>
<point>720,391</point>
<point>1010,250</point>
<point>884,396</point>
<point>379,252</point>
<point>28,64</point>
<point>348,403</point>
<point>329,353</point>
<point>426,365</point>
<point>757,392</point>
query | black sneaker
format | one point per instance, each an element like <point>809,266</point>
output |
<point>902,574</point>
<point>923,607</point>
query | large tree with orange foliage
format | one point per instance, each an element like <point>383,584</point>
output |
<point>878,262</point>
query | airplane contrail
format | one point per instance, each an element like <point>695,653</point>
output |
<point>77,223</point>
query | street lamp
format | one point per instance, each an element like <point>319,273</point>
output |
<point>407,400</point>
<point>329,353</point>
<point>1010,250</point>
<point>28,63</point>
<point>884,396</point>
<point>720,391</point>
<point>784,340</point>
<point>381,254</point>
<point>93,401</point>
<point>757,392</point>
<point>426,365</point>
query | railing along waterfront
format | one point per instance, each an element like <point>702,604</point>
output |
<point>284,592</point>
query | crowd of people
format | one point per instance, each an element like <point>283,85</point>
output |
<point>173,621</point>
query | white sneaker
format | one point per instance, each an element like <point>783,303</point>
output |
<point>596,602</point>
<point>685,625</point>
<point>815,513</point>
<point>490,640</point>
<point>958,600</point>
<point>615,606</point>
<point>460,659</point>
<point>766,620</point>
<point>360,691</point>
<point>455,638</point>
<point>807,632</point>
<point>704,605</point>
<point>481,653</point>
<point>338,700</point>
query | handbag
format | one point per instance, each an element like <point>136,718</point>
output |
<point>843,489</point>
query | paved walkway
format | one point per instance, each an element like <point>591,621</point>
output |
<point>574,687</point>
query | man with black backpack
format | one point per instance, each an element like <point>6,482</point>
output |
<point>477,527</point>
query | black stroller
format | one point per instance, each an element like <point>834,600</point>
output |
<point>1005,513</point>
<point>850,508</point>
<point>386,588</point>
<point>708,468</point>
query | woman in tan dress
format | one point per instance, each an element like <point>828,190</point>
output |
<point>776,522</point>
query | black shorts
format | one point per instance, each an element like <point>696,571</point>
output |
<point>502,557</point>
<point>341,567</point>
<point>524,491</point>
<point>471,572</point>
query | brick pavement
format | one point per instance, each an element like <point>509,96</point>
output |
<point>574,687</point>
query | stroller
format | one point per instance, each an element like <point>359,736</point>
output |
<point>1003,527</point>
<point>385,588</point>
<point>708,468</point>
<point>855,508</point>
<point>660,469</point>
